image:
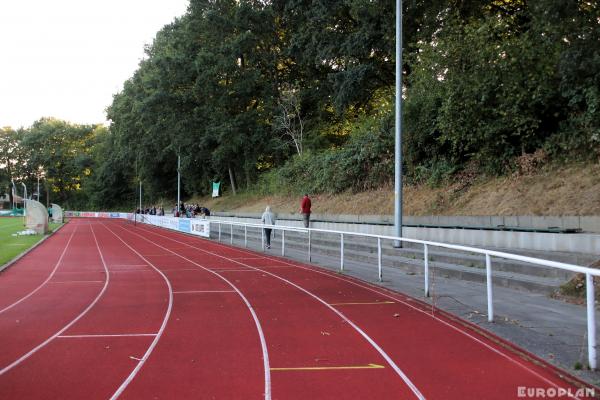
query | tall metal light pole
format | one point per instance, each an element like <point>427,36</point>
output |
<point>14,194</point>
<point>24,198</point>
<point>178,182</point>
<point>140,198</point>
<point>398,147</point>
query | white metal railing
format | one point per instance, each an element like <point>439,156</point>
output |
<point>589,272</point>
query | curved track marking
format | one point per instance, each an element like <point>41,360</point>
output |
<point>388,295</point>
<point>44,343</point>
<point>382,352</point>
<point>47,279</point>
<point>456,328</point>
<point>142,361</point>
<point>261,335</point>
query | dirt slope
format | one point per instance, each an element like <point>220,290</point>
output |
<point>573,190</point>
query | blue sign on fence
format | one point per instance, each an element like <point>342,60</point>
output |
<point>184,225</point>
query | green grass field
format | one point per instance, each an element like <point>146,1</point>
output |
<point>12,246</point>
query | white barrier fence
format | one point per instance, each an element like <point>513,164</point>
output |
<point>194,226</point>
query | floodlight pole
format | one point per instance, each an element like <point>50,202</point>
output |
<point>14,194</point>
<point>140,199</point>
<point>398,125</point>
<point>178,182</point>
<point>38,188</point>
<point>24,198</point>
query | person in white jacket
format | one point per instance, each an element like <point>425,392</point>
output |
<point>268,218</point>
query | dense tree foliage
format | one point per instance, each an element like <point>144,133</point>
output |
<point>59,153</point>
<point>227,85</point>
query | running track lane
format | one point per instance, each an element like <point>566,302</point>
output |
<point>34,269</point>
<point>96,354</point>
<point>202,353</point>
<point>38,317</point>
<point>444,359</point>
<point>329,342</point>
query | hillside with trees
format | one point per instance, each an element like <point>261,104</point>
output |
<point>281,97</point>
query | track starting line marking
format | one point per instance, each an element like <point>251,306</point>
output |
<point>368,366</point>
<point>361,304</point>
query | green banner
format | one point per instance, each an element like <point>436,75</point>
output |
<point>216,189</point>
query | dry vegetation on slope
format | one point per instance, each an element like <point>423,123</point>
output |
<point>573,190</point>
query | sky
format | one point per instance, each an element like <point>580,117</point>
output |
<point>67,58</point>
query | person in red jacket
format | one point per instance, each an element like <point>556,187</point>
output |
<point>305,210</point>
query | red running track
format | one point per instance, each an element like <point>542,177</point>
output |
<point>105,309</point>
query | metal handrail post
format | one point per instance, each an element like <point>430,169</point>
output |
<point>231,234</point>
<point>219,232</point>
<point>283,242</point>
<point>488,277</point>
<point>245,236</point>
<point>262,238</point>
<point>309,247</point>
<point>342,252</point>
<point>591,320</point>
<point>426,272</point>
<point>379,259</point>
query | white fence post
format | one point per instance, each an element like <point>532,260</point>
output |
<point>245,236</point>
<point>309,247</point>
<point>219,231</point>
<point>591,320</point>
<point>231,234</point>
<point>342,253</point>
<point>379,259</point>
<point>490,297</point>
<point>426,261</point>
<point>283,242</point>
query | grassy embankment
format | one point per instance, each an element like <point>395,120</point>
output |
<point>555,190</point>
<point>11,246</point>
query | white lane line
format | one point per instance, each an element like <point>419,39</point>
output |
<point>382,352</point>
<point>77,282</point>
<point>204,291</point>
<point>141,361</point>
<point>181,269</point>
<point>434,317</point>
<point>234,270</point>
<point>128,265</point>
<point>125,271</point>
<point>261,335</point>
<point>89,307</point>
<point>47,279</point>
<point>105,336</point>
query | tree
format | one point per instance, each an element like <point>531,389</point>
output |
<point>289,120</point>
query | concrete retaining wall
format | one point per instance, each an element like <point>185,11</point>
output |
<point>586,243</point>
<point>588,224</point>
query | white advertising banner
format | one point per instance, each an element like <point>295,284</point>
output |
<point>200,227</point>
